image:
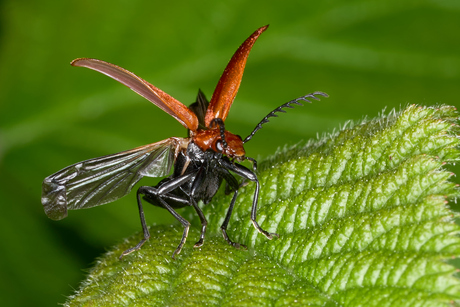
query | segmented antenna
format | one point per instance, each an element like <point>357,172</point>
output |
<point>280,109</point>
<point>219,122</point>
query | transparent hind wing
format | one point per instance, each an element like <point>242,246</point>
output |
<point>102,180</point>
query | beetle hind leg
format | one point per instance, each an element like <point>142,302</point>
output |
<point>154,194</point>
<point>145,229</point>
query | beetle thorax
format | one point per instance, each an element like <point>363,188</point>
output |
<point>212,140</point>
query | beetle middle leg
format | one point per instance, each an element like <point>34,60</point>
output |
<point>198,181</point>
<point>204,223</point>
<point>232,184</point>
<point>224,225</point>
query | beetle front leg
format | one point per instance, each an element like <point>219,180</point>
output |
<point>246,173</point>
<point>269,235</point>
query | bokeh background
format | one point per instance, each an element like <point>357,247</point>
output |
<point>367,55</point>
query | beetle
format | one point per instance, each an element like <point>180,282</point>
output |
<point>202,161</point>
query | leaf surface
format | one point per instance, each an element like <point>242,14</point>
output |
<point>362,216</point>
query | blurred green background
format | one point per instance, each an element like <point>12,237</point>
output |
<point>367,55</point>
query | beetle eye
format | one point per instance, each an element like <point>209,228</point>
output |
<point>219,146</point>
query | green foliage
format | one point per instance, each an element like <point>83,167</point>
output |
<point>362,219</point>
<point>366,54</point>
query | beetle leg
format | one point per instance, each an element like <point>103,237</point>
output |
<point>158,193</point>
<point>154,193</point>
<point>233,183</point>
<point>224,225</point>
<point>204,223</point>
<point>199,178</point>
<point>246,173</point>
<point>145,229</point>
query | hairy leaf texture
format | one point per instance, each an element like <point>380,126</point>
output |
<point>363,219</point>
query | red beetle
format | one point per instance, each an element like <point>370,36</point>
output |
<point>201,161</point>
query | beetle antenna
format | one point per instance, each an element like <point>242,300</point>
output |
<point>219,122</point>
<point>280,109</point>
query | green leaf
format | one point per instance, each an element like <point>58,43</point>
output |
<point>362,216</point>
